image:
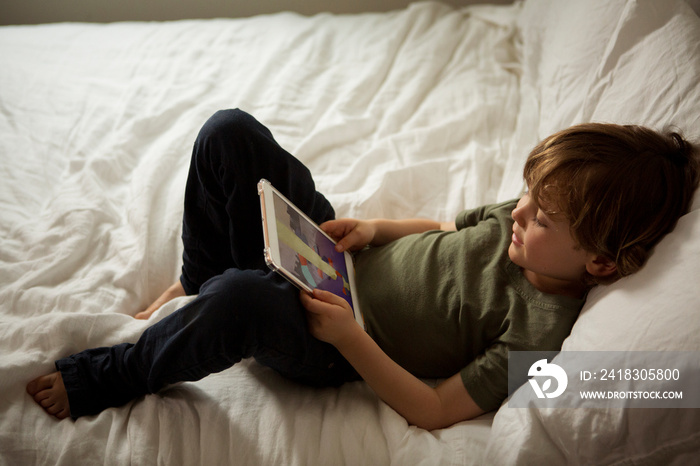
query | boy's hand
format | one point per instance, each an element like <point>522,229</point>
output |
<point>330,317</point>
<point>351,234</point>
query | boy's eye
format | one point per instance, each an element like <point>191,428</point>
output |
<point>538,223</point>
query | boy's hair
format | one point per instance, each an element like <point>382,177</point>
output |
<point>621,188</point>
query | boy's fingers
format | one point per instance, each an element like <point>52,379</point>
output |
<point>349,241</point>
<point>342,245</point>
<point>319,297</point>
<point>305,298</point>
<point>344,231</point>
<point>328,297</point>
<point>329,227</point>
<point>311,303</point>
<point>336,227</point>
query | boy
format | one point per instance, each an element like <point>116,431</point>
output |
<point>440,300</point>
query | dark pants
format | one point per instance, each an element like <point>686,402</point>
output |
<point>243,309</point>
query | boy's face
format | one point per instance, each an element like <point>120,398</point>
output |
<point>543,246</point>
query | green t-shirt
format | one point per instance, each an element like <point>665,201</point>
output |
<point>439,303</point>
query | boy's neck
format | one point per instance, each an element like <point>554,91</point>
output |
<point>557,287</point>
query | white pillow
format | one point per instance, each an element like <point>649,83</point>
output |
<point>638,63</point>
<point>563,41</point>
<point>662,88</point>
<point>611,61</point>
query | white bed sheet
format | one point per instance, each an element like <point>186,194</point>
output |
<point>409,113</point>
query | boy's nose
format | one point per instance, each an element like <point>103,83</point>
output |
<point>517,216</point>
<point>518,213</point>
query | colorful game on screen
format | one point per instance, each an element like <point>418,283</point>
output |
<point>308,254</point>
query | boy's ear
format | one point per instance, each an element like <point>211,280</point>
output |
<point>600,266</point>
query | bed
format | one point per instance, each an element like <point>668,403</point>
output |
<point>422,111</point>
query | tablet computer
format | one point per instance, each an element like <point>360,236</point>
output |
<point>301,252</point>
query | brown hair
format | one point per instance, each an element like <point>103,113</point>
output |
<point>621,188</point>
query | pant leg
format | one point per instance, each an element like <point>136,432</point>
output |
<point>222,223</point>
<point>243,309</point>
<point>238,314</point>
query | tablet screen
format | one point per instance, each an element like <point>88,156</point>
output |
<point>309,254</point>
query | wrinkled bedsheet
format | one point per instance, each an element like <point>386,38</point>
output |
<point>416,112</point>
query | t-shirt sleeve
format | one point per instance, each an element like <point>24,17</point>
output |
<point>471,217</point>
<point>486,377</point>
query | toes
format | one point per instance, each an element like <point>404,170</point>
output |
<point>49,392</point>
<point>64,413</point>
<point>41,383</point>
<point>54,409</point>
<point>45,399</point>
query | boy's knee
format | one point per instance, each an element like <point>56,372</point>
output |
<point>227,289</point>
<point>230,138</point>
<point>228,123</point>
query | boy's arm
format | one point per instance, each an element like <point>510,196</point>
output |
<point>331,320</point>
<point>353,234</point>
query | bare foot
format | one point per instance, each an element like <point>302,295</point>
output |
<point>176,290</point>
<point>50,393</point>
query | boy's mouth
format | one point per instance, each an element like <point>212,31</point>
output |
<point>516,240</point>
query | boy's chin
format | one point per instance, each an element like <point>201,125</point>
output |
<point>513,254</point>
<point>516,257</point>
